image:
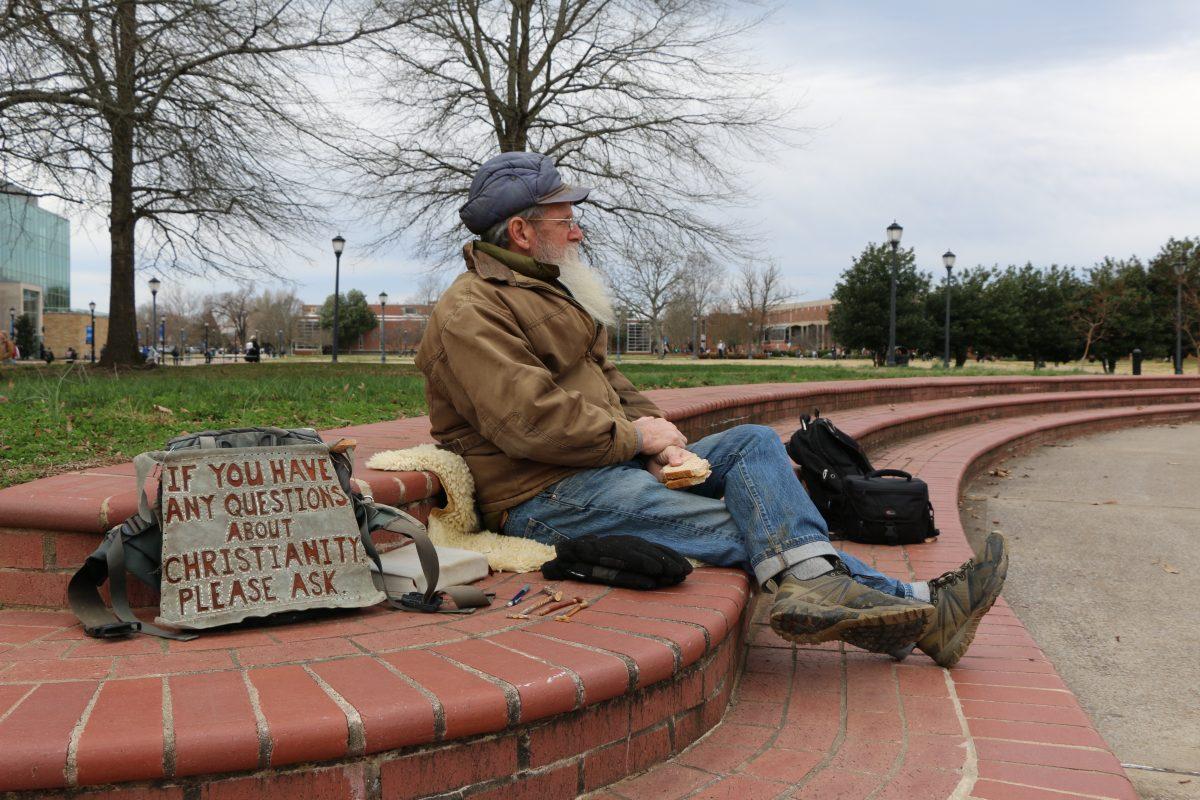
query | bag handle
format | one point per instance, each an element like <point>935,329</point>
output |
<point>889,473</point>
<point>466,598</point>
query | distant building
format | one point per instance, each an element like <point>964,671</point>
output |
<point>404,325</point>
<point>35,258</point>
<point>799,326</point>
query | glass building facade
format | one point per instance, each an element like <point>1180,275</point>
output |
<point>35,247</point>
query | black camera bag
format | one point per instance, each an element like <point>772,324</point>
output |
<point>887,506</point>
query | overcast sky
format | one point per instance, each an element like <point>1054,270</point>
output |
<point>1050,132</point>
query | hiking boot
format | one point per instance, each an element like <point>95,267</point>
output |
<point>835,606</point>
<point>961,598</point>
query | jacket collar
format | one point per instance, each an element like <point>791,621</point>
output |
<point>496,263</point>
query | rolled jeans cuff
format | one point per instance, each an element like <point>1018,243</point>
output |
<point>772,565</point>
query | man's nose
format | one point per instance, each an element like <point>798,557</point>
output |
<point>575,234</point>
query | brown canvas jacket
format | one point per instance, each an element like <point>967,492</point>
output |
<point>518,381</point>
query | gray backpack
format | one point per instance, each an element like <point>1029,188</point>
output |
<point>136,545</point>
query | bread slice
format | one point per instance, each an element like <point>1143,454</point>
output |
<point>693,471</point>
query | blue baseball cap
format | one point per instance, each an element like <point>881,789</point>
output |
<point>511,182</point>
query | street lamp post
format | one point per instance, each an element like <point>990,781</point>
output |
<point>383,327</point>
<point>206,360</point>
<point>12,321</point>
<point>750,338</point>
<point>92,307</point>
<point>620,325</point>
<point>278,342</point>
<point>154,283</point>
<point>695,341</point>
<point>1180,268</point>
<point>893,233</point>
<point>339,244</point>
<point>948,259</point>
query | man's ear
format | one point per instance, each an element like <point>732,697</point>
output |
<point>521,233</point>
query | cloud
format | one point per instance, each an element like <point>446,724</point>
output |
<point>1056,162</point>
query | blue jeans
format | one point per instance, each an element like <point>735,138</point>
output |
<point>764,524</point>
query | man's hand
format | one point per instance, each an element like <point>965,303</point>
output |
<point>658,435</point>
<point>671,456</point>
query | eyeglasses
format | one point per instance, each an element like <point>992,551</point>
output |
<point>572,222</point>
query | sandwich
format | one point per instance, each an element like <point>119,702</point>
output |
<point>694,470</point>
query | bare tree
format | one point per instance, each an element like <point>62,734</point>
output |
<point>759,290</point>
<point>234,309</point>
<point>651,102</point>
<point>428,288</point>
<point>701,283</point>
<point>1097,302</point>
<point>275,313</point>
<point>645,287</point>
<point>181,115</point>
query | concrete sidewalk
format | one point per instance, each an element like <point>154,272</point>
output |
<point>1105,572</point>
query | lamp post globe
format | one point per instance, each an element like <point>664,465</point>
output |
<point>948,259</point>
<point>894,232</point>
<point>383,327</point>
<point>1180,268</point>
<point>339,244</point>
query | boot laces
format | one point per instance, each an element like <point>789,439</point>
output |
<point>953,577</point>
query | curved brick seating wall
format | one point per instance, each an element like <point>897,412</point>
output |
<point>375,704</point>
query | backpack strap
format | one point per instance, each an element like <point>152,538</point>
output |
<point>84,597</point>
<point>83,590</point>
<point>148,504</point>
<point>377,516</point>
<point>368,512</point>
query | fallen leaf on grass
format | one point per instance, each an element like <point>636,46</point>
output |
<point>163,409</point>
<point>1168,568</point>
<point>3,399</point>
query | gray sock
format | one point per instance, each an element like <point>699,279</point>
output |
<point>920,590</point>
<point>810,568</point>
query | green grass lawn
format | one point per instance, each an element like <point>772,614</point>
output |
<point>59,418</point>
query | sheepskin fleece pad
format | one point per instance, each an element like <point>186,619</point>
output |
<point>457,525</point>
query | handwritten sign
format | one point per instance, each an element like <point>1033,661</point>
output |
<point>254,531</point>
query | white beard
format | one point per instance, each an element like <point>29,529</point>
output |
<point>583,281</point>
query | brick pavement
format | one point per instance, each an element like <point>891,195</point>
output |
<point>832,721</point>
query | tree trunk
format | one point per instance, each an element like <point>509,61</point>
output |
<point>121,348</point>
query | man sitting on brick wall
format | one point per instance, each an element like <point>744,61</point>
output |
<point>561,444</point>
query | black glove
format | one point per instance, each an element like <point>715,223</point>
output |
<point>628,562</point>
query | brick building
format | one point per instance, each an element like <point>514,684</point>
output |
<point>402,328</point>
<point>799,326</point>
<point>63,329</point>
